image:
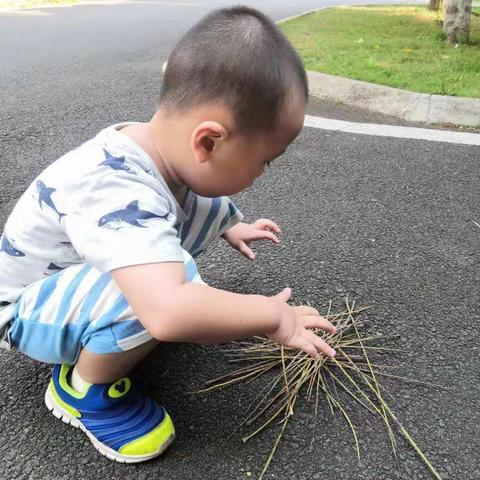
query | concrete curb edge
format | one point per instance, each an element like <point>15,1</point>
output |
<point>411,106</point>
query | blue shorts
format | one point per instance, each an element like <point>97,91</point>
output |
<point>78,307</point>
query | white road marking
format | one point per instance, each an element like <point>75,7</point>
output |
<point>377,130</point>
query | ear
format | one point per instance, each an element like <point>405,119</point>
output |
<point>205,139</point>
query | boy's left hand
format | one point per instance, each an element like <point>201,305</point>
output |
<point>240,236</point>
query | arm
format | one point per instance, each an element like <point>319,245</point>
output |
<point>174,311</point>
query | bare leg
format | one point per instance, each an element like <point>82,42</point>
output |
<point>108,367</point>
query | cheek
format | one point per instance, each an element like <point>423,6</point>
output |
<point>243,171</point>
<point>242,180</point>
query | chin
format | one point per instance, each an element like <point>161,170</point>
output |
<point>210,193</point>
<point>216,192</point>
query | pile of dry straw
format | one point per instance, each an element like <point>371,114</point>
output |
<point>293,373</point>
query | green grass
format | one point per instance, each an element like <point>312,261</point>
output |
<point>18,4</point>
<point>399,46</point>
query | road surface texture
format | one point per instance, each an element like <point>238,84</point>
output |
<point>388,222</point>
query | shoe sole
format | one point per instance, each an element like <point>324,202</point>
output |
<point>103,449</point>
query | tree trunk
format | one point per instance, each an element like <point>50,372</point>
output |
<point>457,20</point>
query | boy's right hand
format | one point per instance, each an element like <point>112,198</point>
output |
<point>294,329</point>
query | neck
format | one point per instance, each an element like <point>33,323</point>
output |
<point>152,137</point>
<point>159,136</point>
<point>155,137</point>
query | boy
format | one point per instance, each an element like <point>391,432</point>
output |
<point>96,259</point>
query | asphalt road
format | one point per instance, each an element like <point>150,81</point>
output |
<point>389,222</point>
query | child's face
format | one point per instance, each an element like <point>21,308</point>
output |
<point>238,160</point>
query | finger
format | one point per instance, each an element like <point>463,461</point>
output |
<point>320,344</point>
<point>264,223</point>
<point>246,250</point>
<point>284,295</point>
<point>314,321</point>
<point>263,235</point>
<point>308,347</point>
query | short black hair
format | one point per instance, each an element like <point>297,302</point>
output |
<point>237,56</point>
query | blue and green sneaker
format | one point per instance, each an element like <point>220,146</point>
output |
<point>121,422</point>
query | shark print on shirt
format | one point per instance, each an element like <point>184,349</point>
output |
<point>116,163</point>
<point>45,197</point>
<point>54,267</point>
<point>7,247</point>
<point>128,216</point>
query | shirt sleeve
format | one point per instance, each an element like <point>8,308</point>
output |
<point>121,221</point>
<point>231,217</point>
<point>208,219</point>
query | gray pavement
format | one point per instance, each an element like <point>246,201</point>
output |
<point>387,221</point>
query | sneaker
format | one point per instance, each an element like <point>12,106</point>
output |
<point>121,422</point>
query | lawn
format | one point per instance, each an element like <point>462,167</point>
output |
<point>399,46</point>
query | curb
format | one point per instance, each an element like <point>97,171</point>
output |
<point>411,106</point>
<point>303,14</point>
